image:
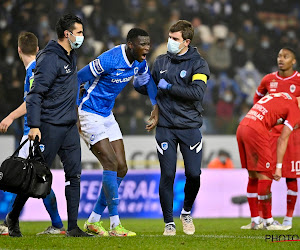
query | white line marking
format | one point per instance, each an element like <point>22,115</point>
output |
<point>208,236</point>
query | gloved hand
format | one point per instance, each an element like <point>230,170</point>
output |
<point>141,79</point>
<point>163,84</point>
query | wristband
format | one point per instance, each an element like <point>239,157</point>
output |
<point>279,165</point>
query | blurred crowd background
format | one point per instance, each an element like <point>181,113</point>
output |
<point>239,39</point>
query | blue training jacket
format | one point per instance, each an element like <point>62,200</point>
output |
<point>53,95</point>
<point>181,106</point>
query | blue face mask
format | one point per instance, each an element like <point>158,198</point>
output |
<point>173,46</point>
<point>78,42</point>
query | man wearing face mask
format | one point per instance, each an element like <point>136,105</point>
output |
<point>181,77</point>
<point>262,62</point>
<point>223,160</point>
<point>52,116</point>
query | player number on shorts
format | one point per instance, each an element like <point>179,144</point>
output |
<point>295,166</point>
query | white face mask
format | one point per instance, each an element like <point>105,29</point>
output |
<point>173,46</point>
<point>78,42</point>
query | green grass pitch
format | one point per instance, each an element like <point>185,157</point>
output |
<point>210,234</point>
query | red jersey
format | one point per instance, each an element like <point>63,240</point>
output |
<point>254,139</point>
<point>273,83</point>
<point>271,110</point>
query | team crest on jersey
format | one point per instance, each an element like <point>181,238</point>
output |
<point>182,73</point>
<point>136,70</point>
<point>292,88</point>
<point>268,164</point>
<point>164,145</point>
<point>42,147</point>
<point>273,85</point>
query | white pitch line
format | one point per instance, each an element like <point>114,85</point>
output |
<point>178,236</point>
<point>209,236</point>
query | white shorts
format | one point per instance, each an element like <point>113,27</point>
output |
<point>24,151</point>
<point>95,128</point>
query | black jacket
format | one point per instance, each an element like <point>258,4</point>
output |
<point>181,105</point>
<point>52,98</point>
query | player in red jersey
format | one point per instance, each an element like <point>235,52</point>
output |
<point>286,79</point>
<point>256,156</point>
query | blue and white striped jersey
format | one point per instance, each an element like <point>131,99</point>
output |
<point>29,78</point>
<point>111,71</point>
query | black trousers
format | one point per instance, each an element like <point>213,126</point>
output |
<point>64,141</point>
<point>190,143</point>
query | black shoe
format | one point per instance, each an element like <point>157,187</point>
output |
<point>13,227</point>
<point>77,232</point>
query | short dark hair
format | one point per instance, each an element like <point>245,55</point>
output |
<point>224,152</point>
<point>185,27</point>
<point>66,22</point>
<point>28,43</point>
<point>134,33</point>
<point>291,50</point>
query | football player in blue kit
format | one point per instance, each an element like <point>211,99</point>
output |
<point>27,49</point>
<point>105,77</point>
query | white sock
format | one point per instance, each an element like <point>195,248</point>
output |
<point>287,220</point>
<point>256,219</point>
<point>185,212</point>
<point>114,221</point>
<point>170,223</point>
<point>94,217</point>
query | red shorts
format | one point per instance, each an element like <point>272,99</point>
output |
<point>291,160</point>
<point>255,150</point>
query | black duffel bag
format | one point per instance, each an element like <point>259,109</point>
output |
<point>29,176</point>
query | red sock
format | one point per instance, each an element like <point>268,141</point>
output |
<point>252,196</point>
<point>264,198</point>
<point>291,197</point>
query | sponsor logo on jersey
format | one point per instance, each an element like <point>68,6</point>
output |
<point>273,85</point>
<point>164,145</point>
<point>292,88</point>
<point>126,79</point>
<point>120,71</point>
<point>268,164</point>
<point>182,73</point>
